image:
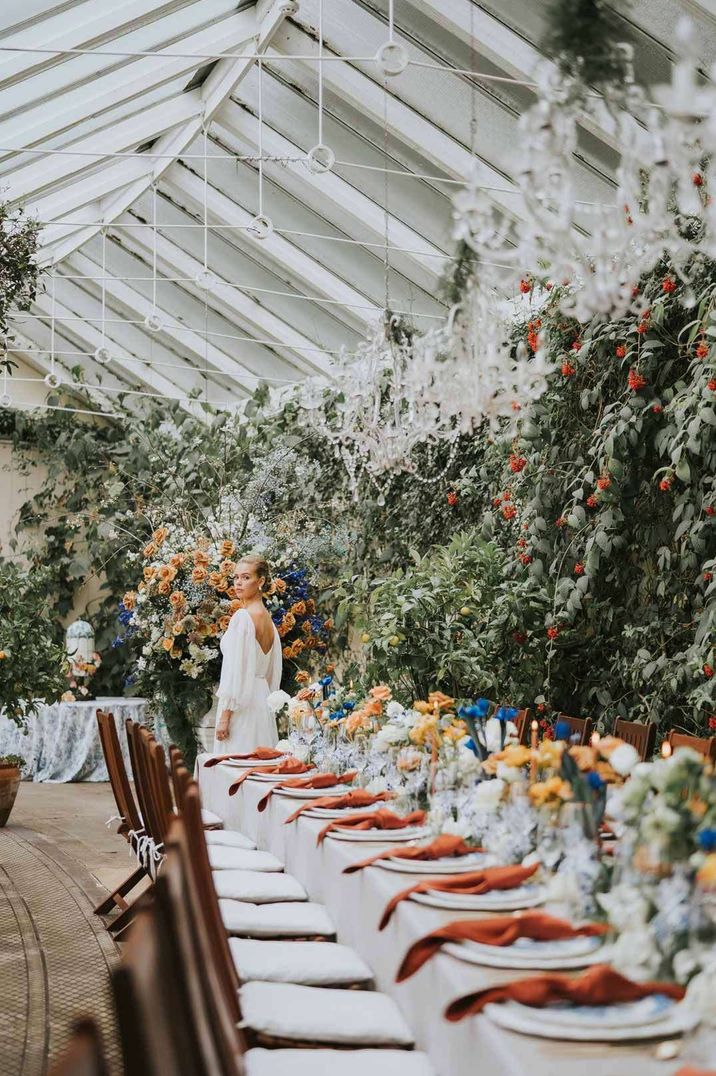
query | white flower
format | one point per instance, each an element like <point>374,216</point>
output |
<point>701,994</point>
<point>394,709</point>
<point>636,954</point>
<point>377,785</point>
<point>493,733</point>
<point>623,759</point>
<point>456,828</point>
<point>509,774</point>
<point>302,752</point>
<point>389,736</point>
<point>283,745</point>
<point>277,700</point>
<point>489,793</point>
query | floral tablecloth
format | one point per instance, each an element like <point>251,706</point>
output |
<point>61,742</point>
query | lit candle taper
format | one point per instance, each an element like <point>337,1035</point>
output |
<point>666,749</point>
<point>533,756</point>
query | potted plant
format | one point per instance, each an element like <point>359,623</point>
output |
<point>10,777</point>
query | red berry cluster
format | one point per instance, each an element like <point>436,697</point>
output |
<point>697,179</point>
<point>452,498</point>
<point>657,408</point>
<point>711,385</point>
<point>592,500</point>
<point>620,351</point>
<point>517,463</point>
<point>560,522</point>
<point>708,672</point>
<point>579,568</point>
<point>552,633</point>
<point>702,350</point>
<point>636,381</point>
<point>710,510</point>
<point>533,328</point>
<point>567,369</point>
<point>526,285</point>
<point>665,484</point>
<point>604,482</point>
<point>644,323</point>
<point>668,284</point>
<point>524,558</point>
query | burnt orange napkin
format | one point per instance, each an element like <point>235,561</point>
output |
<point>261,754</point>
<point>477,882</point>
<point>442,847</point>
<point>380,819</point>
<point>357,797</point>
<point>317,780</point>
<point>289,765</point>
<point>497,930</point>
<point>689,1070</point>
<point>600,985</point>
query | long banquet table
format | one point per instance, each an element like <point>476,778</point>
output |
<point>356,902</point>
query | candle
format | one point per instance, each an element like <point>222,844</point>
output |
<point>666,749</point>
<point>533,758</point>
<point>595,739</point>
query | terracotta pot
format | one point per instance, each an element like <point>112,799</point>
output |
<point>9,784</point>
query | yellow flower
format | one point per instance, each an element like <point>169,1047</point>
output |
<point>175,652</point>
<point>514,755</point>
<point>302,677</point>
<point>167,643</point>
<point>706,875</point>
<point>422,707</point>
<point>549,754</point>
<point>178,628</point>
<point>455,732</point>
<point>160,535</point>
<point>551,793</point>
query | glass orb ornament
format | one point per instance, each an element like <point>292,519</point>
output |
<point>5,400</point>
<point>261,226</point>
<point>320,158</point>
<point>153,322</point>
<point>205,280</point>
<point>392,58</point>
<point>102,355</point>
<point>52,380</point>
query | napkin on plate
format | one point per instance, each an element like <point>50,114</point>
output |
<point>689,1070</point>
<point>289,765</point>
<point>476,882</point>
<point>261,754</point>
<point>442,847</point>
<point>380,819</point>
<point>316,780</point>
<point>357,797</point>
<point>498,930</point>
<point>600,985</point>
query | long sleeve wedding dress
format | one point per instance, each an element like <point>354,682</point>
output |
<point>248,675</point>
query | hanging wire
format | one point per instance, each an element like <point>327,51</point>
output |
<point>320,72</point>
<point>206,200</point>
<point>52,322</point>
<point>104,286</point>
<point>391,20</point>
<point>261,139</point>
<point>154,246</point>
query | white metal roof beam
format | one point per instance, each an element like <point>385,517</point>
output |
<point>36,357</point>
<point>220,84</point>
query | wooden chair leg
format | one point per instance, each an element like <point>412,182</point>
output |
<point>120,923</point>
<point>116,899</point>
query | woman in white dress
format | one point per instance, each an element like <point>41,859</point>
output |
<point>251,667</point>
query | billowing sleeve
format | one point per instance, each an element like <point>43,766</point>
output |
<point>275,667</point>
<point>238,667</point>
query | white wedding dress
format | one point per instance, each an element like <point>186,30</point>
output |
<point>248,675</point>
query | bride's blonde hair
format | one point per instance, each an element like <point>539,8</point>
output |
<point>260,565</point>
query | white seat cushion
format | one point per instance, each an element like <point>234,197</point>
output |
<point>260,1062</point>
<point>257,887</point>
<point>208,818</point>
<point>223,858</point>
<point>308,963</point>
<point>296,919</point>
<point>318,1014</point>
<point>229,838</point>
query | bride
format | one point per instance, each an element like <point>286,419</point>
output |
<point>251,666</point>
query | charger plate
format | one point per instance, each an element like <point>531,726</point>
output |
<point>504,900</point>
<point>309,793</point>
<point>379,836</point>
<point>268,777</point>
<point>542,956</point>
<point>247,764</point>
<point>674,1019</point>
<point>453,865</point>
<point>329,813</point>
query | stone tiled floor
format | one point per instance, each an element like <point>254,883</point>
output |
<point>56,858</point>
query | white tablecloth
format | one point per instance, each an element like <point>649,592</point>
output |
<point>356,902</point>
<point>61,742</point>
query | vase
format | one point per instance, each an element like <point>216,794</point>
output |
<point>9,784</point>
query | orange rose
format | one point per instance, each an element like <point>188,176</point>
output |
<point>129,600</point>
<point>178,628</point>
<point>149,574</point>
<point>311,643</point>
<point>310,606</point>
<point>164,587</point>
<point>382,692</point>
<point>227,567</point>
<point>175,652</point>
<point>214,579</point>
<point>201,559</point>
<point>279,585</point>
<point>142,587</point>
<point>443,702</point>
<point>227,547</point>
<point>167,572</point>
<point>328,624</point>
<point>177,599</point>
<point>373,708</point>
<point>330,669</point>
<point>298,647</point>
<point>299,608</point>
<point>167,644</point>
<point>149,550</point>
<point>203,629</point>
<point>287,652</point>
<point>160,535</point>
<point>306,627</point>
<point>235,604</point>
<point>302,677</point>
<point>222,586</point>
<point>305,694</point>
<point>177,560</point>
<point>231,593</point>
<point>224,622</point>
<point>282,631</point>
<point>198,574</point>
<point>289,620</point>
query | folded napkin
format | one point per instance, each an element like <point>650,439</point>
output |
<point>600,985</point>
<point>289,765</point>
<point>357,797</point>
<point>317,780</point>
<point>477,882</point>
<point>380,819</point>
<point>442,847</point>
<point>497,930</point>
<point>689,1070</point>
<point>261,754</point>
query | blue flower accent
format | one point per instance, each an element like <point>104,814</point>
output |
<point>472,746</point>
<point>562,730</point>
<point>707,840</point>
<point>594,780</point>
<point>348,705</point>
<point>117,641</point>
<point>506,713</point>
<point>325,681</point>
<point>129,680</point>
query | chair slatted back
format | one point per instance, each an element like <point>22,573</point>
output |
<point>705,745</point>
<point>159,791</point>
<point>154,1012</point>
<point>641,735</point>
<point>118,776</point>
<point>85,1054</point>
<point>143,779</point>
<point>578,727</point>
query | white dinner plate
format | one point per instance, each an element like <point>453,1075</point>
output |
<point>380,836</point>
<point>676,1019</point>
<point>248,764</point>
<point>512,956</point>
<point>453,865</point>
<point>309,793</point>
<point>329,813</point>
<point>505,900</point>
<point>268,777</point>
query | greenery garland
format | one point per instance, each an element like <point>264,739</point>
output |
<point>585,38</point>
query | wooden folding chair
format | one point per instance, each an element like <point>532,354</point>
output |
<point>641,735</point>
<point>705,745</point>
<point>580,727</point>
<point>85,1054</point>
<point>131,826</point>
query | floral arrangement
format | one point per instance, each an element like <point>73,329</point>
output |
<point>79,676</point>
